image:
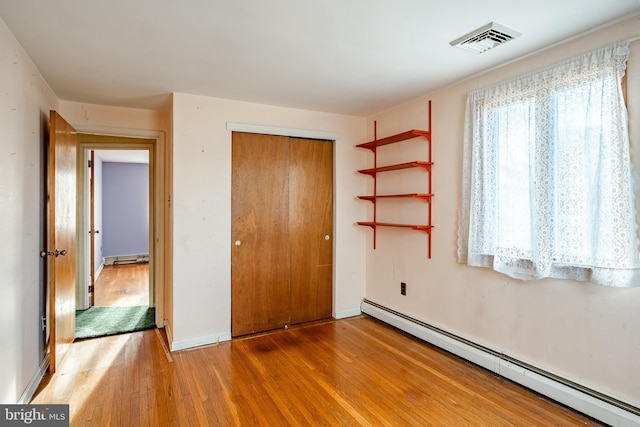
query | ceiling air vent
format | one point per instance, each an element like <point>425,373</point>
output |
<point>485,38</point>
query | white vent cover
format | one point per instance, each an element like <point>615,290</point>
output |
<point>485,38</point>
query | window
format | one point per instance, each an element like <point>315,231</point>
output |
<point>547,185</point>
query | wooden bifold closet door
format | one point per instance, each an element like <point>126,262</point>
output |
<point>282,224</point>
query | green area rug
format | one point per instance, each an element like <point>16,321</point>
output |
<point>102,321</point>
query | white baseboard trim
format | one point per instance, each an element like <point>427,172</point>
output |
<point>226,336</point>
<point>348,313</point>
<point>28,393</point>
<point>603,408</point>
<point>168,331</point>
<point>99,271</point>
<point>199,341</point>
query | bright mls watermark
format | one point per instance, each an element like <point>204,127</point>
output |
<point>36,415</point>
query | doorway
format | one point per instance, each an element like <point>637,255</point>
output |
<point>65,281</point>
<point>119,217</point>
<point>117,222</point>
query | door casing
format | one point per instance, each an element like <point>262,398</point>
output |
<point>154,143</point>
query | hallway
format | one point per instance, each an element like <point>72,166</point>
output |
<point>121,303</point>
<point>124,285</point>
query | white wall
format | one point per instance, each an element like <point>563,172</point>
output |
<point>587,333</point>
<point>25,102</point>
<point>202,210</point>
<point>92,118</point>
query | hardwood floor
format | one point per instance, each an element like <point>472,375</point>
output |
<point>123,285</point>
<point>349,372</point>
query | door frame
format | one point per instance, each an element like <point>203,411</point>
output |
<point>154,142</point>
<point>84,211</point>
<point>331,136</point>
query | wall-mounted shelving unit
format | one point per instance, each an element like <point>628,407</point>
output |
<point>373,172</point>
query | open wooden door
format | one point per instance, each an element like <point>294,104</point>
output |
<point>61,252</point>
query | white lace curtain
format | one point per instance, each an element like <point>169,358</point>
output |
<point>547,182</point>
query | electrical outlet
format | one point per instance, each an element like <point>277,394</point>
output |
<point>403,288</point>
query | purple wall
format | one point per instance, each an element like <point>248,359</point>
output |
<point>125,209</point>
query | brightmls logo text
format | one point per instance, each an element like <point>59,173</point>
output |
<point>37,415</point>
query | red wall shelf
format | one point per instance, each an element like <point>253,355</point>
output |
<point>425,228</point>
<point>421,196</point>
<point>395,138</point>
<point>373,172</point>
<point>416,164</point>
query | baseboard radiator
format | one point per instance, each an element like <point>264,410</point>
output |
<point>590,402</point>
<point>126,259</point>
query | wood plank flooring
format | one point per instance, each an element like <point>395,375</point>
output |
<point>349,372</point>
<point>124,285</point>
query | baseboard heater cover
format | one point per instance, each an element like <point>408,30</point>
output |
<point>590,402</point>
<point>126,259</point>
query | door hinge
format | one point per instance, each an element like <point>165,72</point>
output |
<point>43,323</point>
<point>89,164</point>
<point>90,289</point>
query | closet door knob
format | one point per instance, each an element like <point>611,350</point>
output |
<point>327,237</point>
<point>238,242</point>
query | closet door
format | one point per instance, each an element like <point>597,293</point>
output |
<point>282,222</point>
<point>311,229</point>
<point>260,233</point>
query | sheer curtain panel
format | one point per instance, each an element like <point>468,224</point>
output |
<point>547,181</point>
